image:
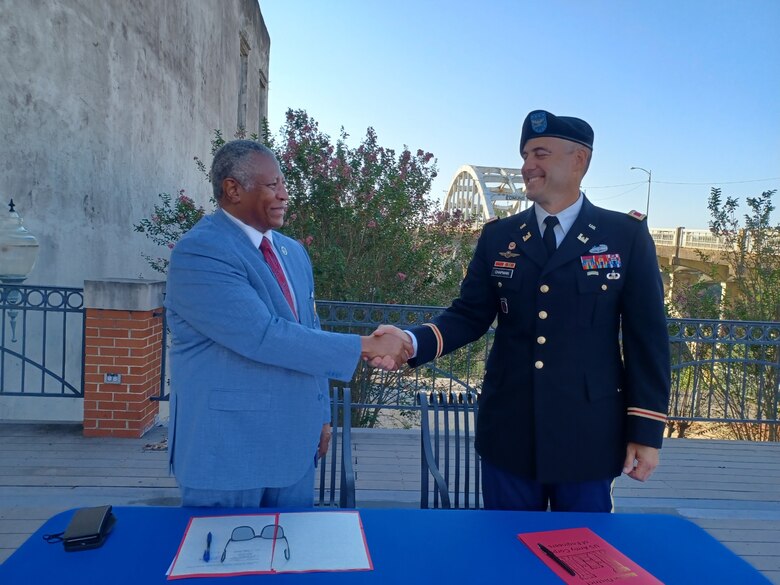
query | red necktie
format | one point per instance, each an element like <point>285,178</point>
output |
<point>276,268</point>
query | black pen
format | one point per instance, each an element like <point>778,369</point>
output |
<point>554,557</point>
<point>207,552</point>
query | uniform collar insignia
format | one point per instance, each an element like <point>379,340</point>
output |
<point>583,238</point>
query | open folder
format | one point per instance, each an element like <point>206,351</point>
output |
<point>288,542</point>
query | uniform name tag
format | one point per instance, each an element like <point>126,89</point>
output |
<point>502,273</point>
<point>500,264</point>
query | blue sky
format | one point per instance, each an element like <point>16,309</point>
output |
<point>689,89</point>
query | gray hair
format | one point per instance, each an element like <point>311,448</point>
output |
<point>588,155</point>
<point>232,161</point>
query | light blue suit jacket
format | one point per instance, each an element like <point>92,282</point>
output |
<point>249,384</point>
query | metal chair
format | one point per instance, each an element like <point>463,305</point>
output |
<point>448,456</point>
<point>338,461</point>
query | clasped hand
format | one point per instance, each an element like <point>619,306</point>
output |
<point>388,348</point>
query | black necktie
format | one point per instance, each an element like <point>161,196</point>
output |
<point>549,234</point>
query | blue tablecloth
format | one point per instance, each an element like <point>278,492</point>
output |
<point>406,546</point>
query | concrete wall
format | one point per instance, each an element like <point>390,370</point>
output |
<point>103,105</point>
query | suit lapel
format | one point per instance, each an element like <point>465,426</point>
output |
<point>256,257</point>
<point>578,240</point>
<point>528,238</point>
<point>293,272</point>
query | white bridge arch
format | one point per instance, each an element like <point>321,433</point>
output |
<point>481,193</point>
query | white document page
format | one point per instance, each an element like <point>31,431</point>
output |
<point>317,541</point>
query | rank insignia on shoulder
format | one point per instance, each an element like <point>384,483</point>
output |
<point>637,215</point>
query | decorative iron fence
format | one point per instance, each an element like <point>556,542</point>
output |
<point>726,371</point>
<point>722,371</point>
<point>41,341</point>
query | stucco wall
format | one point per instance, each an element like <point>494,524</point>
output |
<point>104,105</point>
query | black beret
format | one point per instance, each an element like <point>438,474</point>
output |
<point>540,123</point>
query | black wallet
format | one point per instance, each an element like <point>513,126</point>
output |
<point>88,528</point>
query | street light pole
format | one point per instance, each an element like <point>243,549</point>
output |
<point>649,180</point>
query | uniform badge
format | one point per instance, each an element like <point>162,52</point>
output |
<point>508,254</point>
<point>504,306</point>
<point>613,275</point>
<point>512,245</point>
<point>591,226</point>
<point>592,273</point>
<point>637,215</point>
<point>600,249</point>
<point>522,227</point>
<point>600,261</point>
<point>501,264</point>
<point>502,272</point>
<point>284,250</point>
<point>538,121</point>
<point>583,238</point>
<point>527,236</point>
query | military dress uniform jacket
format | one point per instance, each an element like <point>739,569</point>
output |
<point>560,400</point>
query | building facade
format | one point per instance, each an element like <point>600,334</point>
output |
<point>104,106</point>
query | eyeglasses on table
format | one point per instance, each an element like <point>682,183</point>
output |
<point>272,532</point>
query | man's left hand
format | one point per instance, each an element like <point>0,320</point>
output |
<point>641,461</point>
<point>325,433</point>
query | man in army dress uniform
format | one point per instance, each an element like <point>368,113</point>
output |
<point>576,386</point>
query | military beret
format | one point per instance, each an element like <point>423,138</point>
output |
<point>540,123</point>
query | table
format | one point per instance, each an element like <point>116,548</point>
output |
<point>406,546</point>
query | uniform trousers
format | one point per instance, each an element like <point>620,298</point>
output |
<point>298,495</point>
<point>502,490</point>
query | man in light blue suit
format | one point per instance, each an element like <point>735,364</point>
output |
<point>249,364</point>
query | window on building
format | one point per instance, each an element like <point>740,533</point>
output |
<point>242,81</point>
<point>262,101</point>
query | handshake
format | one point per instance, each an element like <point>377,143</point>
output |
<point>388,348</point>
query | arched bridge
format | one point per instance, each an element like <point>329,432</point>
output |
<point>481,193</point>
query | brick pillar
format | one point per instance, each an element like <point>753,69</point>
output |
<point>122,356</point>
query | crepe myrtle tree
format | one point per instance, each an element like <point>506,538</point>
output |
<point>365,217</point>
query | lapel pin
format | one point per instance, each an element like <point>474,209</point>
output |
<point>591,226</point>
<point>512,245</point>
<point>583,238</point>
<point>527,236</point>
<point>284,250</point>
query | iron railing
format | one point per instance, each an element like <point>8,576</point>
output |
<point>41,341</point>
<point>724,371</point>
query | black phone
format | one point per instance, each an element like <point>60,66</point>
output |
<point>88,528</point>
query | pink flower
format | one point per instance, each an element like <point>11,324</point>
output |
<point>401,276</point>
<point>308,240</point>
<point>371,224</point>
<point>293,217</point>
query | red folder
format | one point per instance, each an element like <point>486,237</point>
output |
<point>579,555</point>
